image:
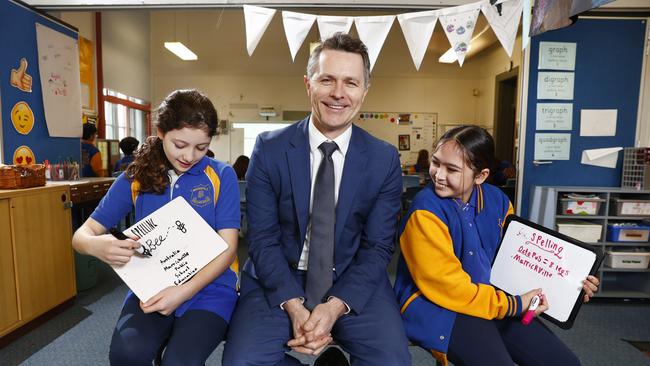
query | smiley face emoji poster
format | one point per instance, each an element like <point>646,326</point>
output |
<point>22,118</point>
<point>23,155</point>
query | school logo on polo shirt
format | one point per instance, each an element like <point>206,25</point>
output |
<point>201,196</point>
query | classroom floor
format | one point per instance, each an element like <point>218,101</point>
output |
<point>81,334</point>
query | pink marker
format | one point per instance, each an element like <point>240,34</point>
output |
<point>530,314</point>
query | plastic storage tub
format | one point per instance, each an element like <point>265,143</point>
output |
<point>632,207</point>
<point>579,205</point>
<point>580,230</point>
<point>633,259</point>
<point>628,232</point>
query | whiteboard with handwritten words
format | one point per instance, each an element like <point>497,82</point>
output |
<point>531,258</point>
<point>179,242</point>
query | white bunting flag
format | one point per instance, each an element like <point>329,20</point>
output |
<point>418,28</point>
<point>257,19</point>
<point>372,32</point>
<point>328,25</point>
<point>296,27</point>
<point>459,23</point>
<point>504,24</point>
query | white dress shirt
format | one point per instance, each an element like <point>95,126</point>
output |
<point>315,157</point>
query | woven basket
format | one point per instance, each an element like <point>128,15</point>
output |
<point>22,176</point>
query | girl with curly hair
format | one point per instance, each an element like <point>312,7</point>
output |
<point>189,320</point>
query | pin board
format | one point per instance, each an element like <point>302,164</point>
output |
<point>531,256</point>
<point>25,137</point>
<point>408,132</point>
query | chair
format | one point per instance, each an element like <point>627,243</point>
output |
<point>242,204</point>
<point>409,181</point>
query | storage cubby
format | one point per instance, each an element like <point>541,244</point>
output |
<point>548,208</point>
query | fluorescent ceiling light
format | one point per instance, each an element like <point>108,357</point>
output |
<point>450,56</point>
<point>180,50</point>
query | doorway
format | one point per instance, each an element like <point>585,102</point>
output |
<point>505,127</point>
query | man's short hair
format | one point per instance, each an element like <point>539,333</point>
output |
<point>89,130</point>
<point>341,42</point>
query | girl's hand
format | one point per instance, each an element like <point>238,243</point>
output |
<point>113,251</point>
<point>166,301</point>
<point>527,298</point>
<point>590,285</point>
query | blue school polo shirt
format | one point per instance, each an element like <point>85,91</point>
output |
<point>211,188</point>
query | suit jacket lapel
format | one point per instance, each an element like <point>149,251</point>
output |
<point>355,161</point>
<point>299,171</point>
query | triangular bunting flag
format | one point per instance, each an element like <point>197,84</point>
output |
<point>296,27</point>
<point>525,24</point>
<point>459,23</point>
<point>418,28</point>
<point>257,19</point>
<point>372,32</point>
<point>328,25</point>
<point>504,23</point>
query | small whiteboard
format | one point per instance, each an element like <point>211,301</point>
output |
<point>181,243</point>
<point>531,256</point>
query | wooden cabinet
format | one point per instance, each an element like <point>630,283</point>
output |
<point>36,256</point>
<point>8,300</point>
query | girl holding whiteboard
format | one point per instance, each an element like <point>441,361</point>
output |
<point>448,239</point>
<point>188,320</point>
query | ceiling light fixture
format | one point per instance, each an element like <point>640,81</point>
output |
<point>180,50</point>
<point>450,56</point>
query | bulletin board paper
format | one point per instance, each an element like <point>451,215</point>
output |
<point>555,85</point>
<point>557,56</point>
<point>552,146</point>
<point>531,256</point>
<point>180,243</point>
<point>388,126</point>
<point>58,61</point>
<point>554,116</point>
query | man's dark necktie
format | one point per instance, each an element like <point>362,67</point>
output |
<point>321,241</point>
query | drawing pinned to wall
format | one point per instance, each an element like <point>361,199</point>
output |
<point>555,85</point>
<point>23,155</point>
<point>404,142</point>
<point>557,56</point>
<point>58,61</point>
<point>22,117</point>
<point>20,78</point>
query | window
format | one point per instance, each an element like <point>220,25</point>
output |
<point>252,129</point>
<point>125,116</point>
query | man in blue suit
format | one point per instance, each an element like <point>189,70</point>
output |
<point>277,310</point>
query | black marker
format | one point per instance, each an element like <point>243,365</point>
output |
<point>120,235</point>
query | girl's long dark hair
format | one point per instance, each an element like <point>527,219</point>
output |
<point>180,109</point>
<point>476,144</point>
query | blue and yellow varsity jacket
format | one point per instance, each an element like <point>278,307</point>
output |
<point>442,272</point>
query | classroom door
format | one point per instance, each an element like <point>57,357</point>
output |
<point>607,75</point>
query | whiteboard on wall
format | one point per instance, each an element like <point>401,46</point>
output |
<point>388,126</point>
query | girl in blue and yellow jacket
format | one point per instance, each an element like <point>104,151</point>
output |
<point>190,319</point>
<point>449,238</point>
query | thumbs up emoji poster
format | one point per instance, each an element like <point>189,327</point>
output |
<point>20,78</point>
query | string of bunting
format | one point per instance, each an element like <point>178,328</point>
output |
<point>458,22</point>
